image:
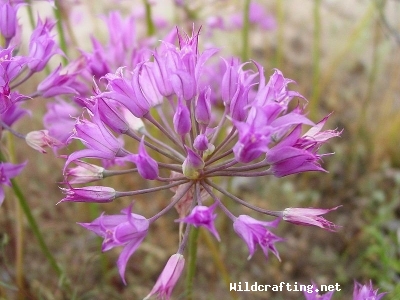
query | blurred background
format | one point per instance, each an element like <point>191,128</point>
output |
<point>345,59</point>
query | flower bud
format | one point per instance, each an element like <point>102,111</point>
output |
<point>41,138</point>
<point>192,165</point>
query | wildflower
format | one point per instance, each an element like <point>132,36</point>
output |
<point>126,229</point>
<point>168,277</point>
<point>254,232</point>
<point>366,292</point>
<point>42,46</point>
<point>147,166</point>
<point>309,216</point>
<point>258,132</point>
<point>58,82</point>
<point>8,20</point>
<point>13,114</point>
<point>203,216</point>
<point>59,121</point>
<point>84,173</point>
<point>40,139</point>
<point>100,141</point>
<point>95,194</point>
<point>8,171</point>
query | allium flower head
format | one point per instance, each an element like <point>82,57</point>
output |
<point>186,139</point>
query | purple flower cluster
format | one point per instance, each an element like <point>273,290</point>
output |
<point>15,70</point>
<point>169,105</point>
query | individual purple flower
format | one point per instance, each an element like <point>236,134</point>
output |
<point>314,137</point>
<point>168,277</point>
<point>287,160</point>
<point>92,194</point>
<point>366,292</point>
<point>10,66</point>
<point>309,217</point>
<point>182,121</point>
<point>254,232</point>
<point>101,143</point>
<point>42,46</point>
<point>313,295</point>
<point>132,92</point>
<point>230,80</point>
<point>126,229</point>
<point>59,82</point>
<point>40,138</point>
<point>8,20</point>
<point>97,61</point>
<point>8,171</point>
<point>59,119</point>
<point>13,114</point>
<point>202,216</point>
<point>147,166</point>
<point>203,107</point>
<point>201,142</point>
<point>83,173</point>
<point>8,98</point>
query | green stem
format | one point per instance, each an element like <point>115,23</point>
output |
<point>245,32</point>
<point>19,230</point>
<point>218,260</point>
<point>63,43</point>
<point>33,225</point>
<point>193,238</point>
<point>149,20</point>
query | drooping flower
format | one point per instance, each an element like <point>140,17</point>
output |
<point>255,232</point>
<point>168,277</point>
<point>126,229</point>
<point>203,216</point>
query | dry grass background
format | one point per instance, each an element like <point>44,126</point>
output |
<point>358,62</point>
